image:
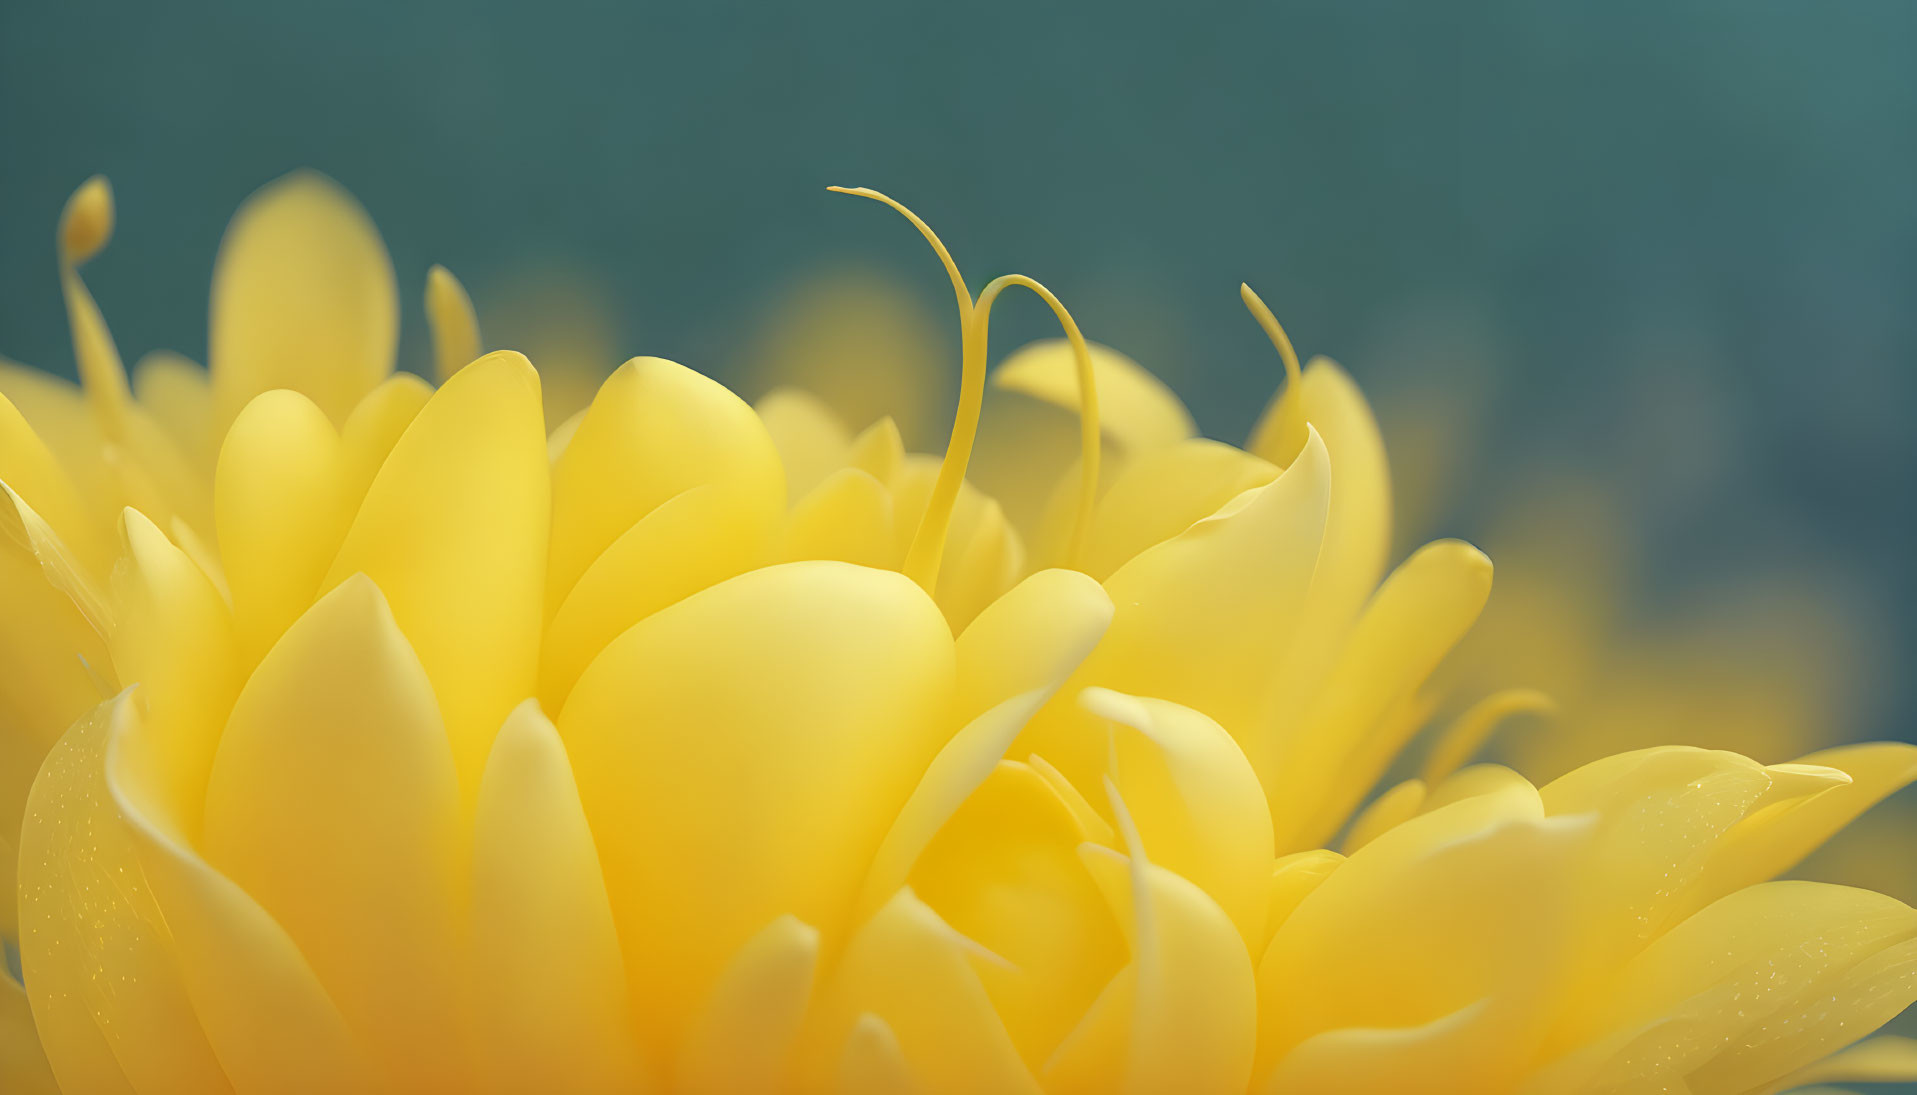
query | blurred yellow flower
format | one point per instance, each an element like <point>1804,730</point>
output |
<point>393,743</point>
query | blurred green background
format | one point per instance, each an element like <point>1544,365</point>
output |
<point>1665,253</point>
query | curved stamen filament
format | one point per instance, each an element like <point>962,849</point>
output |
<point>1291,409</point>
<point>927,550</point>
<point>928,542</point>
<point>1088,435</point>
<point>86,224</point>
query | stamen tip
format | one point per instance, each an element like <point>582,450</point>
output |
<point>86,224</point>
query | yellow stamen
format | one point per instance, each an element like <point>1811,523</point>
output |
<point>86,224</point>
<point>1291,409</point>
<point>928,543</point>
<point>1088,435</point>
<point>927,549</point>
<point>455,326</point>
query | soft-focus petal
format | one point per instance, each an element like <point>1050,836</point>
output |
<point>743,1036</point>
<point>1135,408</point>
<point>912,970</point>
<point>303,298</point>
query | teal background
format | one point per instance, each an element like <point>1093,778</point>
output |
<point>1682,237</point>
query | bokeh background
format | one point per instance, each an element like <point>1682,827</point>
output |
<point>1631,283</point>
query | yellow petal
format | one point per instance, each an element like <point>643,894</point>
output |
<point>23,1064</point>
<point>58,412</point>
<point>95,950</point>
<point>1883,1060</point>
<point>1194,1011</point>
<point>1161,493</point>
<point>375,427</point>
<point>1662,813</point>
<point>56,660</point>
<point>1475,897</point>
<point>872,1062</point>
<point>1197,804</point>
<point>1773,840</point>
<point>724,757</point>
<point>1010,662</point>
<point>909,968</point>
<point>175,637</point>
<point>1468,732</point>
<point>656,429</point>
<point>1004,871</point>
<point>1327,762</point>
<point>449,312</point>
<point>32,471</point>
<point>459,507</point>
<point>178,394</point>
<point>1202,618</point>
<point>1398,805</point>
<point>878,450</point>
<point>812,441</point>
<point>1357,526</point>
<point>744,1033</point>
<point>1135,409</point>
<point>280,510</point>
<point>1292,878</point>
<point>847,517</point>
<point>691,541</point>
<point>552,1004</point>
<point>303,298</point>
<point>1750,989</point>
<point>339,723</point>
<point>272,1027</point>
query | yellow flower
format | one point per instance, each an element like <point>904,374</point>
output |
<point>695,748</point>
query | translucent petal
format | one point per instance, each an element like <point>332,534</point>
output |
<point>1723,996</point>
<point>96,954</point>
<point>272,1026</point>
